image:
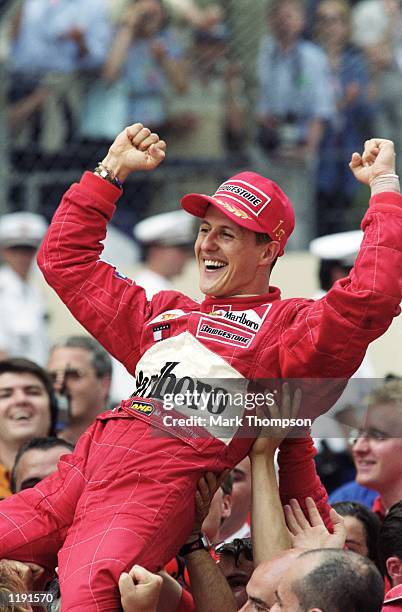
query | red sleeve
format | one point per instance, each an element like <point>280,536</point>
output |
<point>108,304</point>
<point>329,337</point>
<point>298,476</point>
<point>186,602</point>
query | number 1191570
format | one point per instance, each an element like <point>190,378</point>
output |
<point>30,597</point>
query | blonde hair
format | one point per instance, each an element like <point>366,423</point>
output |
<point>389,393</point>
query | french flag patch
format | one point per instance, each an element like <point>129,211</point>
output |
<point>161,332</point>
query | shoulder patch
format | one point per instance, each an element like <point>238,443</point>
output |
<point>168,315</point>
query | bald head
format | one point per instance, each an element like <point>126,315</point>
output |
<point>265,578</point>
<point>330,580</point>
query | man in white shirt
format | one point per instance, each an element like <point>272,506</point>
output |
<point>166,240</point>
<point>23,329</point>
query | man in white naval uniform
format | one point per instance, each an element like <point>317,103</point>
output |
<point>166,240</point>
<point>23,329</point>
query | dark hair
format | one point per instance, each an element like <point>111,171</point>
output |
<point>54,589</point>
<point>227,485</point>
<point>370,522</point>
<point>20,365</point>
<point>261,238</point>
<point>325,271</point>
<point>342,582</point>
<point>390,538</point>
<point>236,547</point>
<point>390,376</point>
<point>100,358</point>
<point>36,444</point>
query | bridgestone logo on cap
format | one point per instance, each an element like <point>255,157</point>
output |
<point>242,192</point>
<point>245,194</point>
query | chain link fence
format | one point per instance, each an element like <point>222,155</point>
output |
<point>46,140</point>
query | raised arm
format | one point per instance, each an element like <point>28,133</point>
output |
<point>209,587</point>
<point>329,337</point>
<point>123,39</point>
<point>109,305</point>
<point>268,528</point>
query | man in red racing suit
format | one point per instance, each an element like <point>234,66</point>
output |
<point>126,495</point>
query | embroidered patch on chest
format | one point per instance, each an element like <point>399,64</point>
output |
<point>208,329</point>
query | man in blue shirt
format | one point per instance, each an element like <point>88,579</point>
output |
<point>294,103</point>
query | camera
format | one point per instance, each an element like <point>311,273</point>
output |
<point>285,133</point>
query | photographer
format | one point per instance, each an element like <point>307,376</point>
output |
<point>295,101</point>
<point>147,56</point>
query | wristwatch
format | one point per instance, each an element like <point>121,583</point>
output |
<point>108,175</point>
<point>201,543</point>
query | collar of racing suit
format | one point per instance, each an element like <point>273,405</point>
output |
<point>240,301</point>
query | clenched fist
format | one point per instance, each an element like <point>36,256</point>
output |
<point>135,148</point>
<point>377,159</point>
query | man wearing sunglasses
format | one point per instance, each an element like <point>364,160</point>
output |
<point>236,564</point>
<point>81,371</point>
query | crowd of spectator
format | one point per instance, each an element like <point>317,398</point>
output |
<point>325,76</point>
<point>295,559</point>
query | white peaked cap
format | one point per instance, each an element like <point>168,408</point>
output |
<point>22,229</point>
<point>167,229</point>
<point>343,246</point>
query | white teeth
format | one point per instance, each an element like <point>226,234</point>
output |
<point>20,416</point>
<point>210,263</point>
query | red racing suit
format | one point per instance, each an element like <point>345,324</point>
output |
<point>126,494</point>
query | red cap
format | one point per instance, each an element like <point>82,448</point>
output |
<point>252,201</point>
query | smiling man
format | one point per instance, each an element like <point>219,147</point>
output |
<point>230,260</point>
<point>27,410</point>
<point>126,494</point>
<point>377,447</point>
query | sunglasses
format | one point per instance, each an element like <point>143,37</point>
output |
<point>236,548</point>
<point>71,374</point>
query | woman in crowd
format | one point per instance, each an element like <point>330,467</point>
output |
<point>362,529</point>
